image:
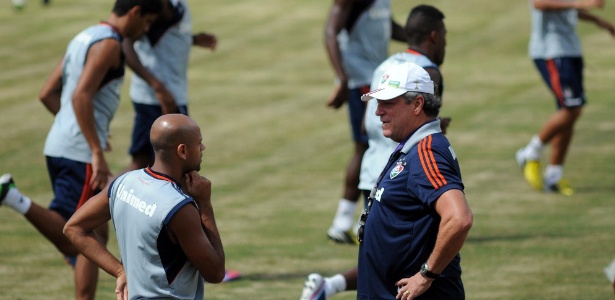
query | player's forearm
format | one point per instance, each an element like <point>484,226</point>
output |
<point>211,229</point>
<point>335,58</point>
<point>51,92</point>
<point>133,61</point>
<point>92,249</point>
<point>451,236</point>
<point>84,112</point>
<point>52,100</point>
<point>589,17</point>
<point>559,5</point>
<point>215,260</point>
<point>337,18</point>
<point>397,32</point>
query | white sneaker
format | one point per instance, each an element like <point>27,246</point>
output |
<point>6,183</point>
<point>342,237</point>
<point>314,288</point>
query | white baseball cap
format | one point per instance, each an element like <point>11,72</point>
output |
<point>399,79</point>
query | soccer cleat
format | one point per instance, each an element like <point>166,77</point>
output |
<point>342,237</point>
<point>314,288</point>
<point>230,275</point>
<point>6,183</point>
<point>561,187</point>
<point>531,170</point>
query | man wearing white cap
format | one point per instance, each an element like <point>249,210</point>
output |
<point>418,217</point>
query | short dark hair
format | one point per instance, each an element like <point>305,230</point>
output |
<point>422,20</point>
<point>121,7</point>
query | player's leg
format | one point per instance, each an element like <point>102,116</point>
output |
<point>341,229</point>
<point>50,224</point>
<point>71,182</point>
<point>86,272</point>
<point>317,287</point>
<point>559,146</point>
<point>571,99</point>
<point>528,157</point>
<point>351,277</point>
<point>564,77</point>
<point>558,132</point>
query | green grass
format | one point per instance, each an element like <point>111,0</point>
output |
<point>276,154</point>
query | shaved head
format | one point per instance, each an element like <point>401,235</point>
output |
<point>169,131</point>
<point>178,145</point>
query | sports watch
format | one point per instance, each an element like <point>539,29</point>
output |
<point>427,273</point>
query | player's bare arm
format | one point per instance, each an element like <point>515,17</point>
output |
<point>196,232</point>
<point>205,40</point>
<point>166,99</point>
<point>80,231</point>
<point>397,32</point>
<point>52,90</point>
<point>600,22</point>
<point>558,4</point>
<point>455,223</point>
<point>338,16</point>
<point>101,57</point>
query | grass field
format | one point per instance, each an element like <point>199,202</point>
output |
<point>276,154</point>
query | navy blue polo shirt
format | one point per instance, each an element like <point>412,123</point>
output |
<point>402,225</point>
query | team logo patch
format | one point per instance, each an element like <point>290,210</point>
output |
<point>398,169</point>
<point>384,78</point>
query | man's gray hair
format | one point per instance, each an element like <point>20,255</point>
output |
<point>432,104</point>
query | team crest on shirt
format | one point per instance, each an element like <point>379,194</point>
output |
<point>384,78</point>
<point>398,169</point>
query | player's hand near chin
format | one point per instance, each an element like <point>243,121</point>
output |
<point>197,186</point>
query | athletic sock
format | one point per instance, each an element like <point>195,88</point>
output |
<point>553,174</point>
<point>334,284</point>
<point>533,148</point>
<point>17,201</point>
<point>344,217</point>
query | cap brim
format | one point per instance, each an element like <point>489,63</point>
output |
<point>383,94</point>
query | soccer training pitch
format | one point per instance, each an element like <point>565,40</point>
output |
<point>276,155</point>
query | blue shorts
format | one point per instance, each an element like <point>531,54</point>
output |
<point>356,110</point>
<point>564,76</point>
<point>70,181</point>
<point>145,115</point>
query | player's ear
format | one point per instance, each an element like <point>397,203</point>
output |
<point>419,101</point>
<point>433,35</point>
<point>181,151</point>
<point>135,11</point>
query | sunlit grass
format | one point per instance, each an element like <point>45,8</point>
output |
<point>276,154</point>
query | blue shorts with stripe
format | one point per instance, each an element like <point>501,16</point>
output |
<point>356,110</point>
<point>70,181</point>
<point>145,115</point>
<point>564,76</point>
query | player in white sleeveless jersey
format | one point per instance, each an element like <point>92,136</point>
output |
<point>357,36</point>
<point>164,220</point>
<point>555,49</point>
<point>83,94</point>
<point>159,60</point>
